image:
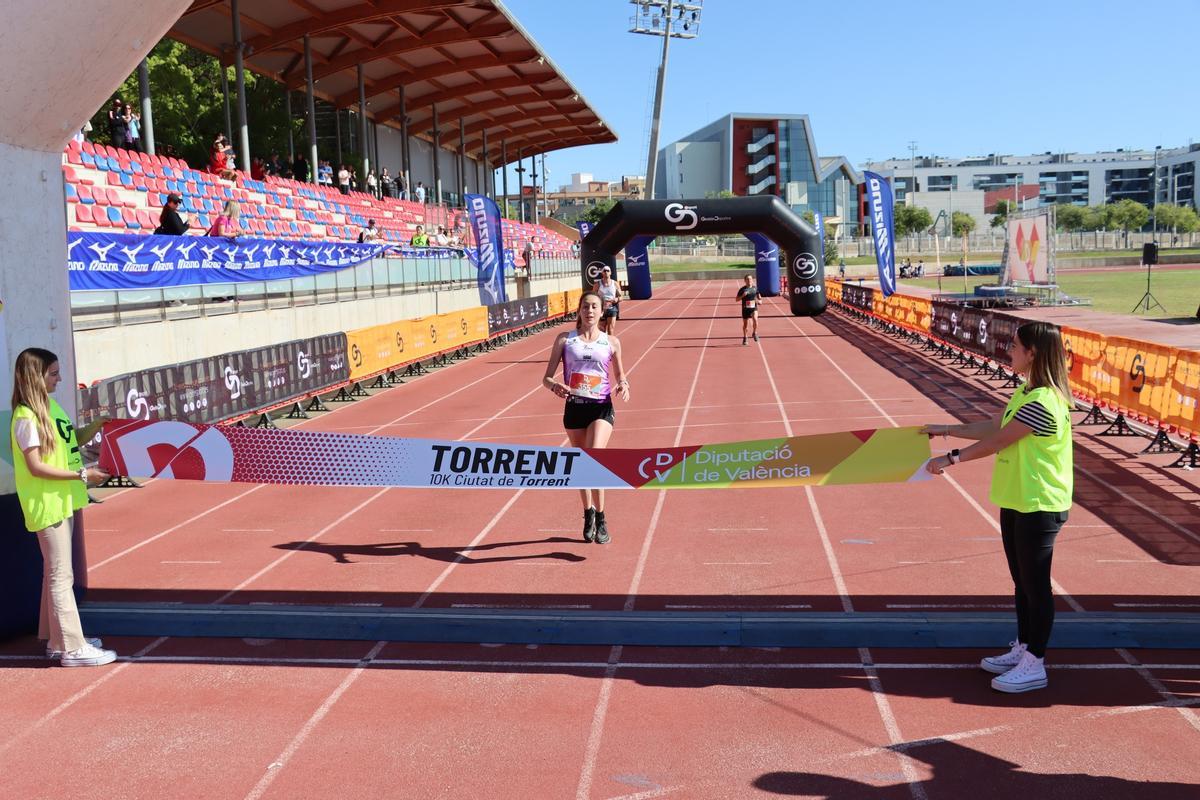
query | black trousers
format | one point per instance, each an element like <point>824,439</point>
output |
<point>1029,546</point>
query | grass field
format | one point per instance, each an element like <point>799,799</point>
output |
<point>1114,292</point>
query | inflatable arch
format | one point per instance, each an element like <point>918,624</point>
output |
<point>632,224</point>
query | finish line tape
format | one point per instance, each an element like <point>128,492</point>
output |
<point>186,451</point>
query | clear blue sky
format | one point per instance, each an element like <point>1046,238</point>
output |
<point>959,78</point>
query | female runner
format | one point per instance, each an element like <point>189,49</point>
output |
<point>587,355</point>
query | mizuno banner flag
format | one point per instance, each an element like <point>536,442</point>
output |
<point>880,211</point>
<point>187,451</point>
<point>489,248</point>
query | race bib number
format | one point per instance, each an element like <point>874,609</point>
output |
<point>583,385</point>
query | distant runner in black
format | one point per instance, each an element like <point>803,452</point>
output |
<point>749,297</point>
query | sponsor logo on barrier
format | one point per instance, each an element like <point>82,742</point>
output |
<point>233,382</point>
<point>303,363</point>
<point>767,255</point>
<point>399,343</point>
<point>636,260</point>
<point>432,333</point>
<point>488,465</point>
<point>677,213</point>
<point>101,250</point>
<point>814,289</point>
<point>462,324</point>
<point>208,455</point>
<point>356,356</point>
<point>805,266</point>
<point>660,464</point>
<point>1137,373</point>
<point>137,405</point>
<point>983,332</point>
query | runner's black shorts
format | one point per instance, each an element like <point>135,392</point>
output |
<point>579,414</point>
<point>613,311</point>
<point>747,313</point>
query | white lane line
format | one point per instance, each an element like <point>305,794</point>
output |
<point>190,562</point>
<point>1157,605</point>
<point>596,731</point>
<point>174,528</point>
<point>882,704</point>
<point>657,791</point>
<point>1166,694</point>
<point>1130,499</point>
<point>282,759</point>
<point>1126,561</point>
<point>307,541</point>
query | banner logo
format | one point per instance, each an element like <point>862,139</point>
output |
<point>594,269</point>
<point>805,266</point>
<point>233,383</point>
<point>303,364</point>
<point>356,355</point>
<point>137,405</point>
<point>484,216</point>
<point>399,343</point>
<point>676,213</point>
<point>881,209</point>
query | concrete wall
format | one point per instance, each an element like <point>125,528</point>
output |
<point>105,352</point>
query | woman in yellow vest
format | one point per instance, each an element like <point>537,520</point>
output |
<point>1032,483</point>
<point>51,486</point>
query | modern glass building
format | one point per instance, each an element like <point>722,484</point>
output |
<point>754,154</point>
<point>1083,179</point>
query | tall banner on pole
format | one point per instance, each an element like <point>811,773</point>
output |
<point>880,209</point>
<point>1027,251</point>
<point>484,215</point>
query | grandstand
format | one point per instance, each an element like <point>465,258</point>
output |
<point>122,191</point>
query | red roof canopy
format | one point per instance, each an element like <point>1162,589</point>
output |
<point>470,58</point>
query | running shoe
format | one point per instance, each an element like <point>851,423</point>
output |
<point>756,337</point>
<point>1027,675</point>
<point>589,524</point>
<point>998,665</point>
<point>88,656</point>
<point>92,640</point>
<point>602,536</point>
<point>743,341</point>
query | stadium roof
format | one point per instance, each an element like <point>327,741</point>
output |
<point>470,58</point>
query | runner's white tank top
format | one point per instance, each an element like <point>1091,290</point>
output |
<point>585,367</point>
<point>607,293</point>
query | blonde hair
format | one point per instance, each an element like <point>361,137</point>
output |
<point>1049,366</point>
<point>29,390</point>
<point>232,210</point>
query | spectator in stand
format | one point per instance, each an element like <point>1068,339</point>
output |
<point>326,173</point>
<point>227,223</point>
<point>133,129</point>
<point>386,187</point>
<point>420,239</point>
<point>257,169</point>
<point>369,233</point>
<point>420,193</point>
<point>527,255</point>
<point>169,221</point>
<point>275,165</point>
<point>402,186</point>
<point>218,158</point>
<point>373,184</point>
<point>344,180</point>
<point>441,240</point>
<point>117,123</point>
<point>300,168</point>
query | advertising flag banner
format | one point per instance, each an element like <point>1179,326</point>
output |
<point>880,211</point>
<point>489,248</point>
<point>1028,251</point>
<point>106,261</point>
<point>187,451</point>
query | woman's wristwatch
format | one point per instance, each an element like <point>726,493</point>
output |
<point>954,456</point>
<point>83,475</point>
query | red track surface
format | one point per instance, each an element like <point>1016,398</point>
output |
<point>301,719</point>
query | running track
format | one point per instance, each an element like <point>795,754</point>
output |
<point>298,719</point>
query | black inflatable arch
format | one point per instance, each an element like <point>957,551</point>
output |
<point>766,214</point>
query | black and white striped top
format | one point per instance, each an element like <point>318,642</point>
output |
<point>1037,417</point>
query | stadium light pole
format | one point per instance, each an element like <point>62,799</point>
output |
<point>147,110</point>
<point>1154,195</point>
<point>912,171</point>
<point>362,129</point>
<point>311,105</point>
<point>666,18</point>
<point>504,175</point>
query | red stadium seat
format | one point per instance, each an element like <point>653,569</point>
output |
<point>146,220</point>
<point>83,214</point>
<point>130,217</point>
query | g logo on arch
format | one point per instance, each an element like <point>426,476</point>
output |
<point>676,213</point>
<point>594,268</point>
<point>804,266</point>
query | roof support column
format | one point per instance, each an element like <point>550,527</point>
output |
<point>489,186</point>
<point>287,109</point>
<point>504,174</point>
<point>520,170</point>
<point>228,113</point>
<point>312,111</point>
<point>239,74</point>
<point>437,145</point>
<point>147,132</point>
<point>405,162</point>
<point>337,132</point>
<point>362,131</point>
<point>462,161</point>
<point>533,176</point>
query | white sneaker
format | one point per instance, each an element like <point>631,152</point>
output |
<point>88,656</point>
<point>1027,675</point>
<point>998,665</point>
<point>94,641</point>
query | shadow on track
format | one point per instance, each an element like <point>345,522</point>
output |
<point>341,552</point>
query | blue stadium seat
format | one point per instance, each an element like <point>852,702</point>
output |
<point>113,164</point>
<point>72,194</point>
<point>114,216</point>
<point>126,180</point>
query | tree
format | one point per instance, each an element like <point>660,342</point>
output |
<point>1182,219</point>
<point>831,250</point>
<point>1094,218</point>
<point>962,223</point>
<point>721,195</point>
<point>911,219</point>
<point>1070,217</point>
<point>1128,215</point>
<point>597,212</point>
<point>1003,209</point>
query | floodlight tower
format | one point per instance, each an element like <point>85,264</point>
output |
<point>666,18</point>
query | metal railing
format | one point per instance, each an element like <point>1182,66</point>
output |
<point>379,277</point>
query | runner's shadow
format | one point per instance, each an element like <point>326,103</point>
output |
<point>959,771</point>
<point>341,552</point>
